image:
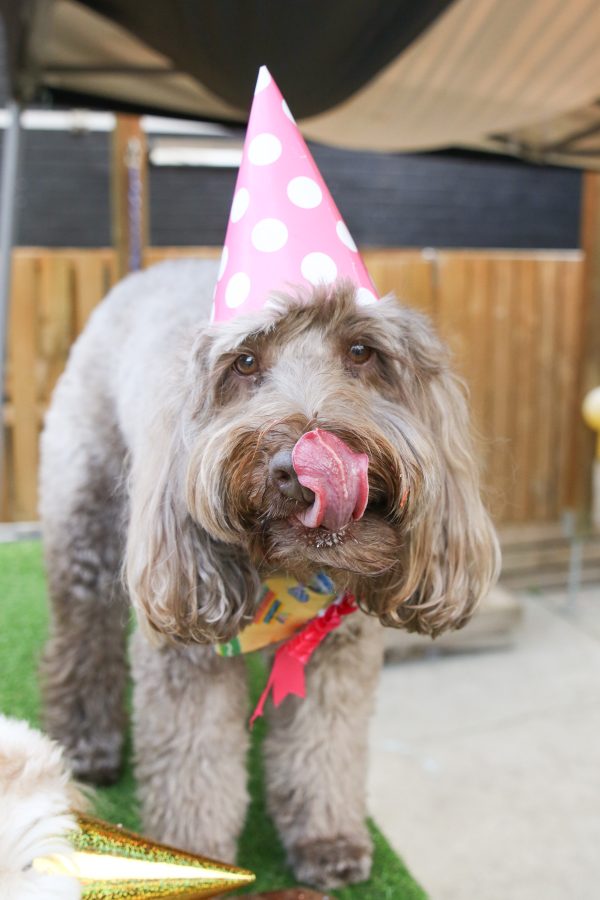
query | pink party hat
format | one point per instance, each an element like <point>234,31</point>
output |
<point>284,228</point>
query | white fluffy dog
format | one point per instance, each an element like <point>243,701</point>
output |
<point>37,799</point>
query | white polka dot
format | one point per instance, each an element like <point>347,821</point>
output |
<point>263,80</point>
<point>269,235</point>
<point>287,111</point>
<point>240,204</point>
<point>237,290</point>
<point>304,192</point>
<point>223,266</point>
<point>364,297</point>
<point>318,268</point>
<point>264,149</point>
<point>345,236</point>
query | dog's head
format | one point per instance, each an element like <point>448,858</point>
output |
<point>321,435</point>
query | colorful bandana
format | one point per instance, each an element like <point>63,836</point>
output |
<point>284,607</point>
<point>289,666</point>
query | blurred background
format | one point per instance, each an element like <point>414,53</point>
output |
<point>461,142</point>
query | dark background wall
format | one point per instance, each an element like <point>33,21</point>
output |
<point>64,190</point>
<point>388,200</point>
<point>439,200</point>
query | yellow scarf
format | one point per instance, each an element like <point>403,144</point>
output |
<point>284,607</point>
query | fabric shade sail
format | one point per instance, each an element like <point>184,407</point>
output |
<point>200,57</point>
<point>410,75</point>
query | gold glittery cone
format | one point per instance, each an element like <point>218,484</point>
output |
<point>114,864</point>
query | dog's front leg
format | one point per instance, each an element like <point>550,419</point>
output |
<point>316,759</point>
<point>190,711</point>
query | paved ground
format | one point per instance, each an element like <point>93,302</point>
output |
<point>19,531</point>
<point>485,767</point>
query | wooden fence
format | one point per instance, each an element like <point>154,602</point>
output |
<point>513,320</point>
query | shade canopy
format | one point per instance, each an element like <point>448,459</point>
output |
<point>201,58</point>
<point>412,75</point>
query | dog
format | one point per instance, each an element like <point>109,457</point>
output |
<point>39,802</point>
<point>168,451</point>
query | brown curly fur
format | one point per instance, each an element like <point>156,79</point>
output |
<point>156,452</point>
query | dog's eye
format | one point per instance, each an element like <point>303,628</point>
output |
<point>246,364</point>
<point>359,353</point>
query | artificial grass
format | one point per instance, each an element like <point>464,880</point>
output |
<point>23,625</point>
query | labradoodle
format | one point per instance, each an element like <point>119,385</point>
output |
<point>167,454</point>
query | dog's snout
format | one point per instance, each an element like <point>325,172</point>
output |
<point>283,476</point>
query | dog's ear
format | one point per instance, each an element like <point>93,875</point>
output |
<point>183,583</point>
<point>451,557</point>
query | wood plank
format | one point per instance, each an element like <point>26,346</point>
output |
<point>547,556</point>
<point>521,360</point>
<point>501,470</point>
<point>22,361</point>
<point>57,317</point>
<point>489,392</point>
<point>588,370</point>
<point>477,350</point>
<point>405,273</point>
<point>10,413</point>
<point>90,288</point>
<point>454,277</point>
<point>522,534</point>
<point>549,579</point>
<point>524,332</point>
<point>548,407</point>
<point>452,281</point>
<point>542,349</point>
<point>575,458</point>
<point>110,272</point>
<point>571,353</point>
<point>476,364</point>
<point>154,255</point>
<point>6,496</point>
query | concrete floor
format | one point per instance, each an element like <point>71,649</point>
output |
<point>485,767</point>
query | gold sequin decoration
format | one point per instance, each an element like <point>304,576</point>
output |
<point>112,863</point>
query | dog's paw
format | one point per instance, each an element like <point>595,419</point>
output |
<point>332,862</point>
<point>96,762</point>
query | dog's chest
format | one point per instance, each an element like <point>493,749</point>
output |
<point>284,606</point>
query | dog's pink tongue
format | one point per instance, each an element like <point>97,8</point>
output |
<point>336,475</point>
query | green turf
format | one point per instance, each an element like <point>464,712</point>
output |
<point>23,623</point>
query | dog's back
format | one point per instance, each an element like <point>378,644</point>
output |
<point>122,356</point>
<point>101,405</point>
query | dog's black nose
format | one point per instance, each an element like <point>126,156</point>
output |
<point>283,477</point>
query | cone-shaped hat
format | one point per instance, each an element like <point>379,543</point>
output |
<point>284,228</point>
<point>111,863</point>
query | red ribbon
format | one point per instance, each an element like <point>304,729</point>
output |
<point>287,673</point>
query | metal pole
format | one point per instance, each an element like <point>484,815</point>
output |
<point>8,192</point>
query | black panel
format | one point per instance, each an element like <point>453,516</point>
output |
<point>63,190</point>
<point>389,200</point>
